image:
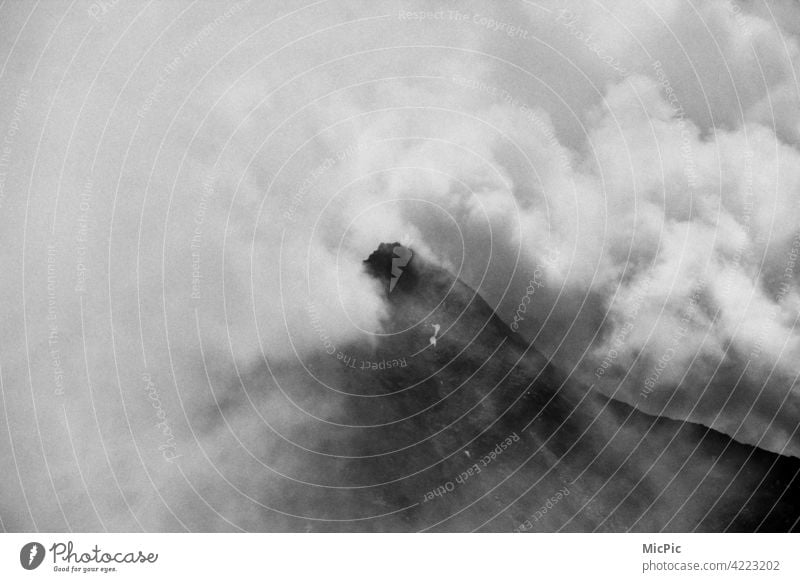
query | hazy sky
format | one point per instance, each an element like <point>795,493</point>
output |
<point>179,181</point>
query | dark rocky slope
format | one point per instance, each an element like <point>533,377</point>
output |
<point>413,423</point>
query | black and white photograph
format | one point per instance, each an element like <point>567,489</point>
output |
<point>398,266</point>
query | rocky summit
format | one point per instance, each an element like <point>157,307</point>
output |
<point>449,421</point>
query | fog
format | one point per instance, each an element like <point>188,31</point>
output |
<point>182,181</point>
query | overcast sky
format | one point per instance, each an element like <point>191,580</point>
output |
<point>180,180</point>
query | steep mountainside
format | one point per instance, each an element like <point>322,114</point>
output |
<point>476,430</point>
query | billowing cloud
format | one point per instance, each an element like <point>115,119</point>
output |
<point>202,211</point>
<point>667,199</point>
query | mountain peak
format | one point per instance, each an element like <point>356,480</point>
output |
<point>394,263</point>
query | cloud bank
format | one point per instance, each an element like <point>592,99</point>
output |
<point>178,217</point>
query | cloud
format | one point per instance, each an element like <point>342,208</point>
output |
<point>668,197</point>
<point>641,157</point>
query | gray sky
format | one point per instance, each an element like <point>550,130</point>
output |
<point>180,180</point>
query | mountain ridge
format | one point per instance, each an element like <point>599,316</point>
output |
<point>395,435</point>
